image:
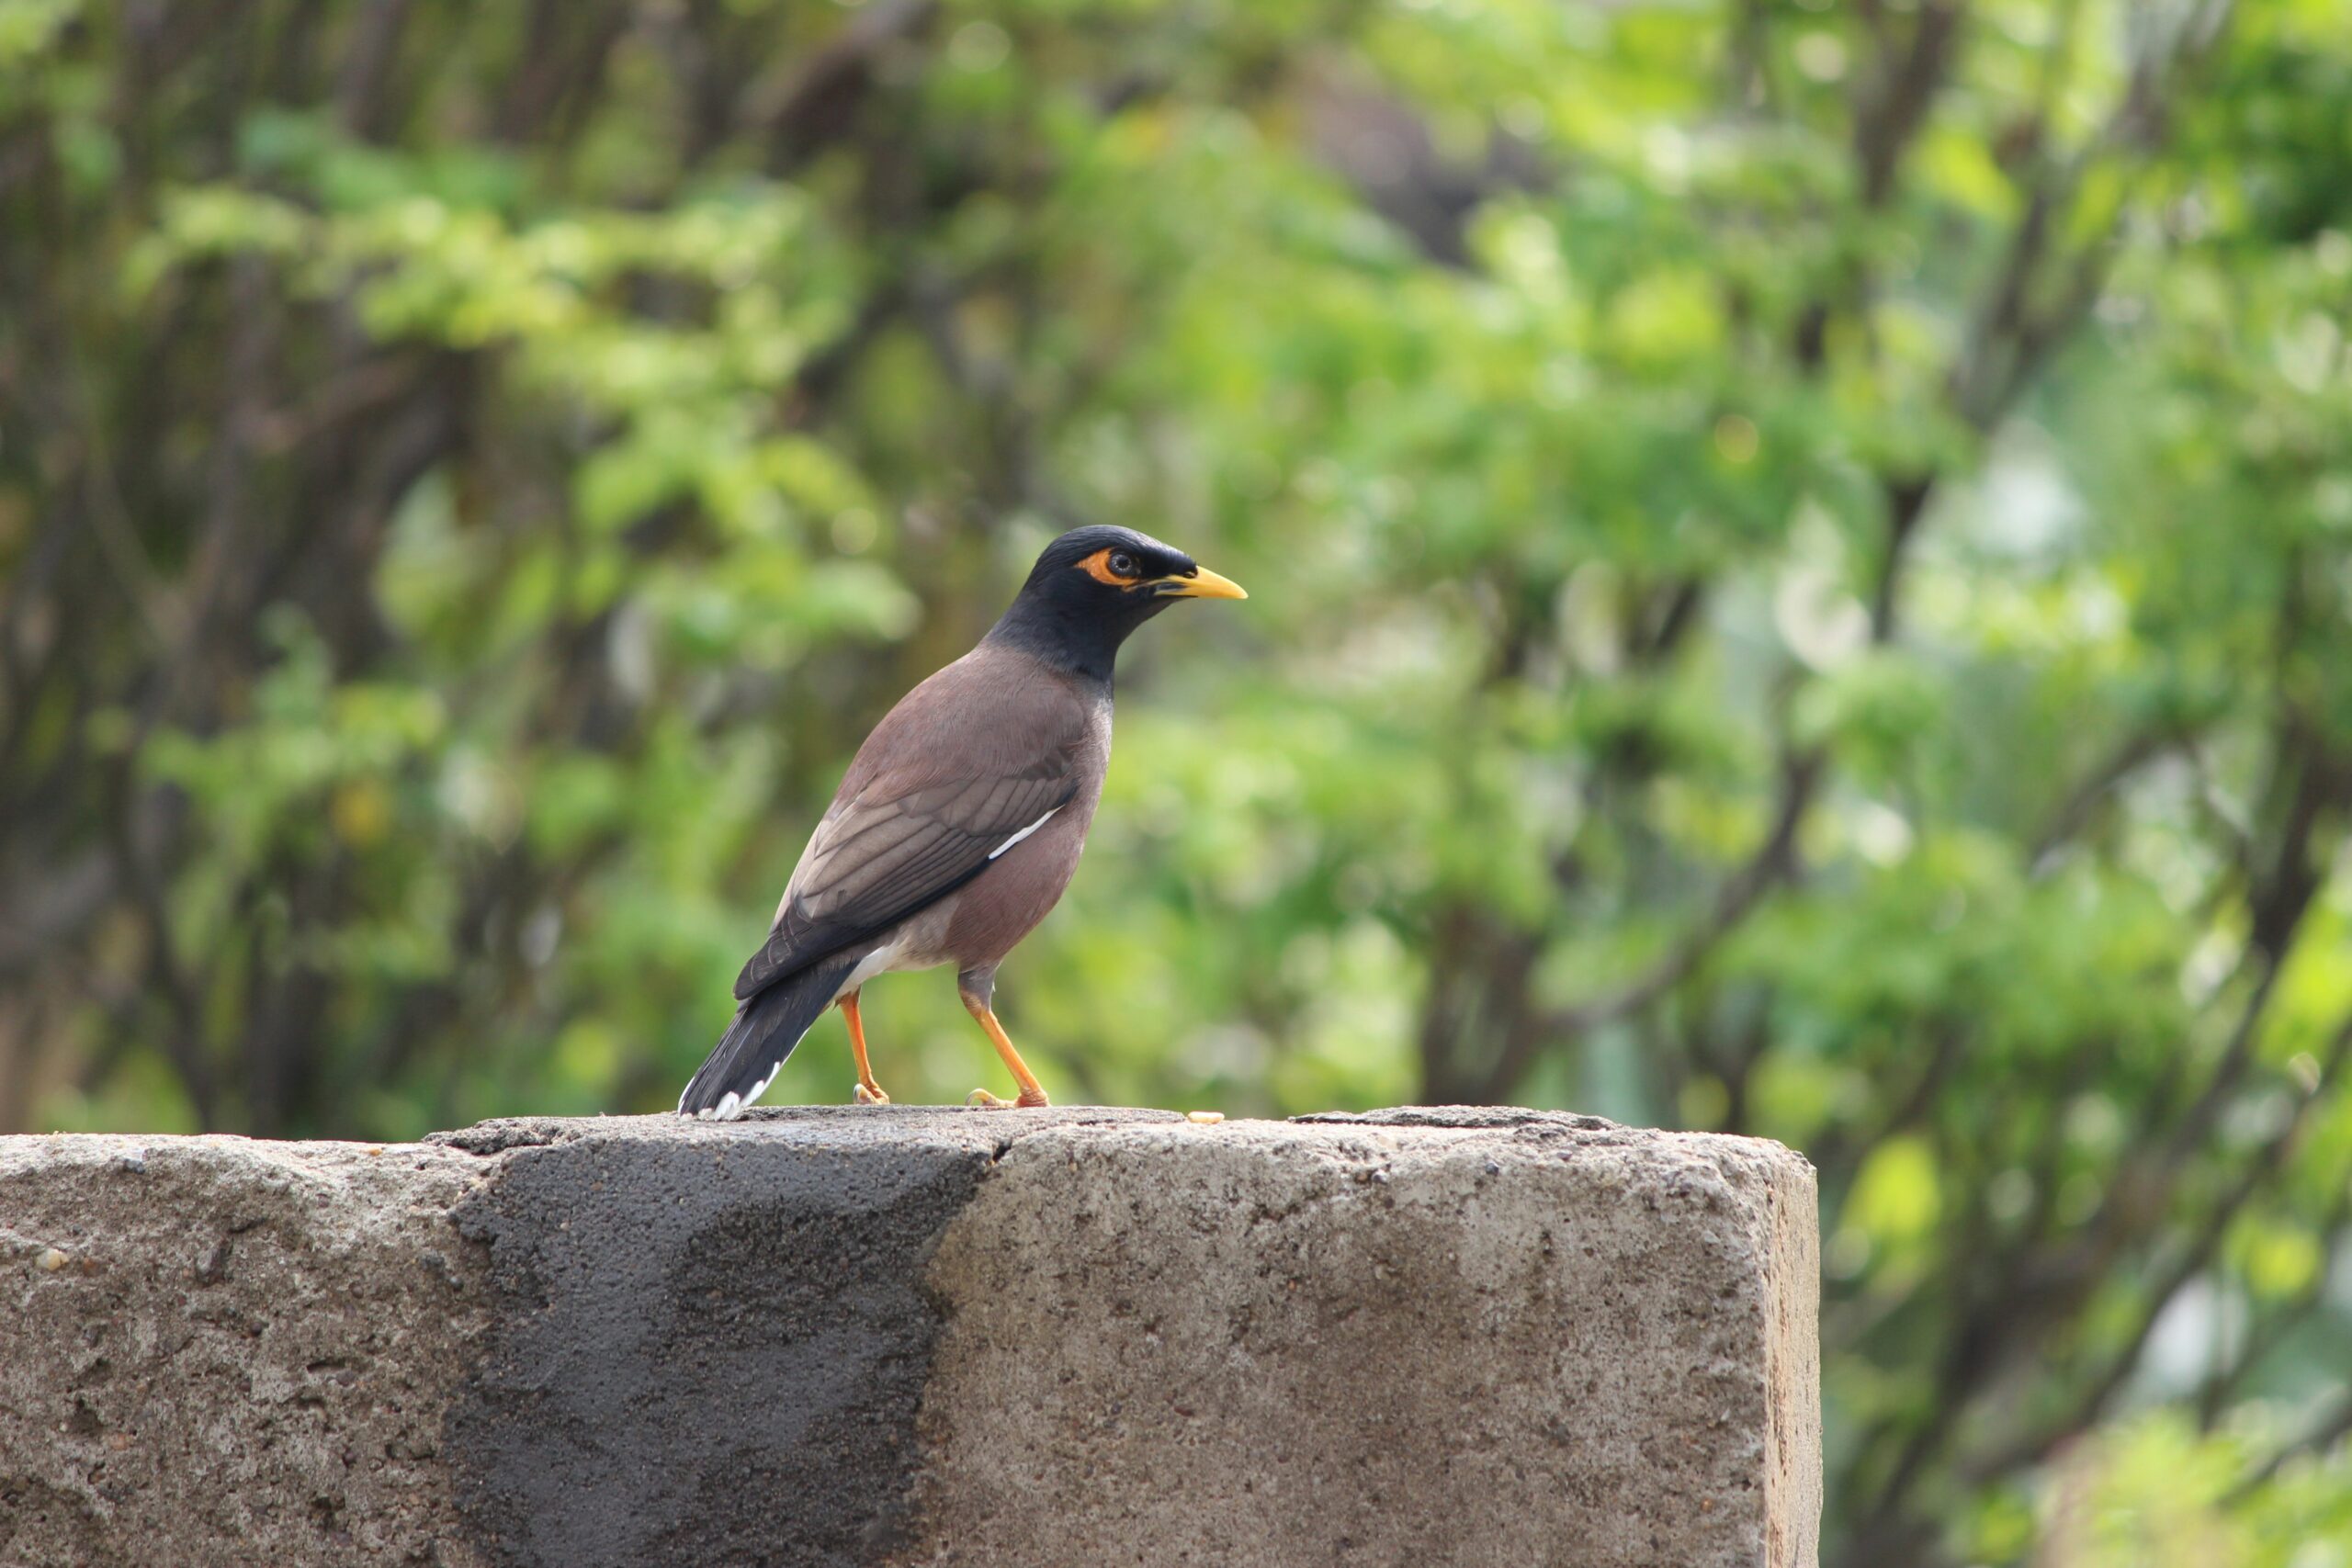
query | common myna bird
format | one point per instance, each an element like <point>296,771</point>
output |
<point>960,821</point>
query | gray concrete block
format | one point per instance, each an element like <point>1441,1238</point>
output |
<point>914,1336</point>
<point>220,1351</point>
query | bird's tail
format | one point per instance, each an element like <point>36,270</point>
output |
<point>766,1027</point>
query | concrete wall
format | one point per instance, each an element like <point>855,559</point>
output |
<point>908,1335</point>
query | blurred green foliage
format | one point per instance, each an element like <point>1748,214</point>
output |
<point>1801,555</point>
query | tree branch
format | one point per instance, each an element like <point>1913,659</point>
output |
<point>2191,1260</point>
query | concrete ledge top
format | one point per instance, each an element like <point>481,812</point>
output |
<point>913,1335</point>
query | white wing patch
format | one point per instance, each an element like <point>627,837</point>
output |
<point>1022,834</point>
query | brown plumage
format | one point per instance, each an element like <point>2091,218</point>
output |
<point>960,821</point>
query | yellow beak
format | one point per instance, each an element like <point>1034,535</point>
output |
<point>1203,584</point>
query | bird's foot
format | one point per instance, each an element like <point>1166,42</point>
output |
<point>872,1095</point>
<point>1029,1099</point>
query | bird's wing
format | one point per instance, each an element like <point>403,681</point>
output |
<point>925,809</point>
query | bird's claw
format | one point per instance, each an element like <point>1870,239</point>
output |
<point>872,1096</point>
<point>988,1102</point>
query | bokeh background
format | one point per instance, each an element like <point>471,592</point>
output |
<point>1800,555</point>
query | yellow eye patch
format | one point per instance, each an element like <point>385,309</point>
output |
<point>1098,567</point>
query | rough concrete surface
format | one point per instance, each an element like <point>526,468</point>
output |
<point>913,1337</point>
<point>220,1351</point>
<point>713,1336</point>
<point>1305,1344</point>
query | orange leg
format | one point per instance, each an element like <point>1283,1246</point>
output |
<point>1032,1092</point>
<point>868,1091</point>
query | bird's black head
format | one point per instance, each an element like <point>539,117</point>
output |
<point>1093,586</point>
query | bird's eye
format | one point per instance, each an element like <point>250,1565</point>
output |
<point>1121,564</point>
